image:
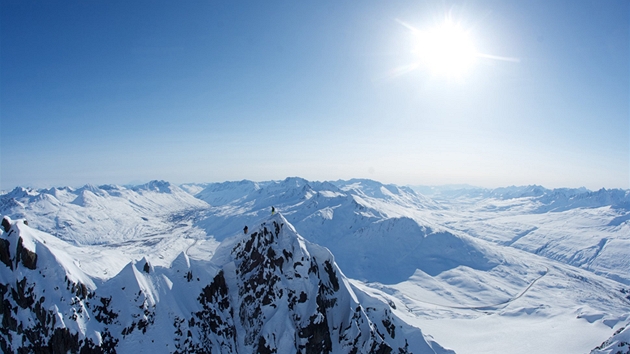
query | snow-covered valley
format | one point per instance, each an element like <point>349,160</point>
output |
<point>511,270</point>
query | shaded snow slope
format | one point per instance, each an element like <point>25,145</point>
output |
<point>266,291</point>
<point>480,272</point>
<point>591,232</point>
<point>500,310</point>
<point>366,223</point>
<point>372,227</point>
<point>358,220</point>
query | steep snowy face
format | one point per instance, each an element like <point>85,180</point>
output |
<point>262,292</point>
<point>43,295</point>
<point>377,231</point>
<point>276,292</point>
<point>391,250</point>
<point>369,189</point>
<point>296,192</point>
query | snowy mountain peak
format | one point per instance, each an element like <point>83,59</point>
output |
<point>91,188</point>
<point>16,250</point>
<point>268,291</point>
<point>156,186</point>
<point>290,296</point>
<point>20,192</point>
<point>295,182</point>
<point>226,192</point>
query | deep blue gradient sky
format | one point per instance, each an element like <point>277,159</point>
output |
<point>200,91</point>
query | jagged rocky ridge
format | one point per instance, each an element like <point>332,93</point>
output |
<point>357,220</point>
<point>269,291</point>
<point>618,343</point>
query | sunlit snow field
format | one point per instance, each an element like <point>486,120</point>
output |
<point>529,271</point>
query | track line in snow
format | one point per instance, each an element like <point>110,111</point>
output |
<point>188,248</point>
<point>519,236</point>
<point>489,307</point>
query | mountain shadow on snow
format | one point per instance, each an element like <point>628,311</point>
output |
<point>268,291</point>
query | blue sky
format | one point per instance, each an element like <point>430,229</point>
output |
<point>201,91</point>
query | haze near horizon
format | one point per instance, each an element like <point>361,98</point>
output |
<point>421,93</point>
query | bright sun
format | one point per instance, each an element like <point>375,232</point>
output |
<point>445,50</point>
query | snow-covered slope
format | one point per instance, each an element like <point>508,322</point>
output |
<point>104,214</point>
<point>540,199</point>
<point>516,269</point>
<point>590,230</point>
<point>263,292</point>
<point>372,227</point>
<point>357,220</point>
<point>450,259</point>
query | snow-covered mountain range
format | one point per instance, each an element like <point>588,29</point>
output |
<point>478,270</point>
<point>264,292</point>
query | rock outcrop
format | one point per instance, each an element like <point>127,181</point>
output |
<point>269,291</point>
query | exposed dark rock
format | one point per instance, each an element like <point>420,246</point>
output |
<point>331,275</point>
<point>9,323</point>
<point>390,327</point>
<point>5,254</point>
<point>22,294</point>
<point>6,224</point>
<point>265,280</point>
<point>63,341</point>
<point>317,335</point>
<point>102,313</point>
<point>380,348</point>
<point>81,291</point>
<point>264,348</point>
<point>216,292</point>
<point>28,258</point>
<point>215,320</point>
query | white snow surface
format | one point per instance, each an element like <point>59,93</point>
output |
<point>516,269</point>
<point>106,214</point>
<point>270,290</point>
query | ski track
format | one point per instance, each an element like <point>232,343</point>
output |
<point>580,234</point>
<point>519,236</point>
<point>188,248</point>
<point>489,307</point>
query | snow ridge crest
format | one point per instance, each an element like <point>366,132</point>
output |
<point>279,293</point>
<point>268,291</point>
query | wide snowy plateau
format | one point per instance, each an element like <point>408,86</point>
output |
<point>159,267</point>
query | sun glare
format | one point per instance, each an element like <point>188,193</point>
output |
<point>445,50</point>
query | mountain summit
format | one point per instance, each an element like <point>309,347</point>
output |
<point>267,291</point>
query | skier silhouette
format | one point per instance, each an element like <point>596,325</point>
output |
<point>273,210</point>
<point>245,229</point>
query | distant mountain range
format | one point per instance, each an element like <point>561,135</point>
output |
<point>137,268</point>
